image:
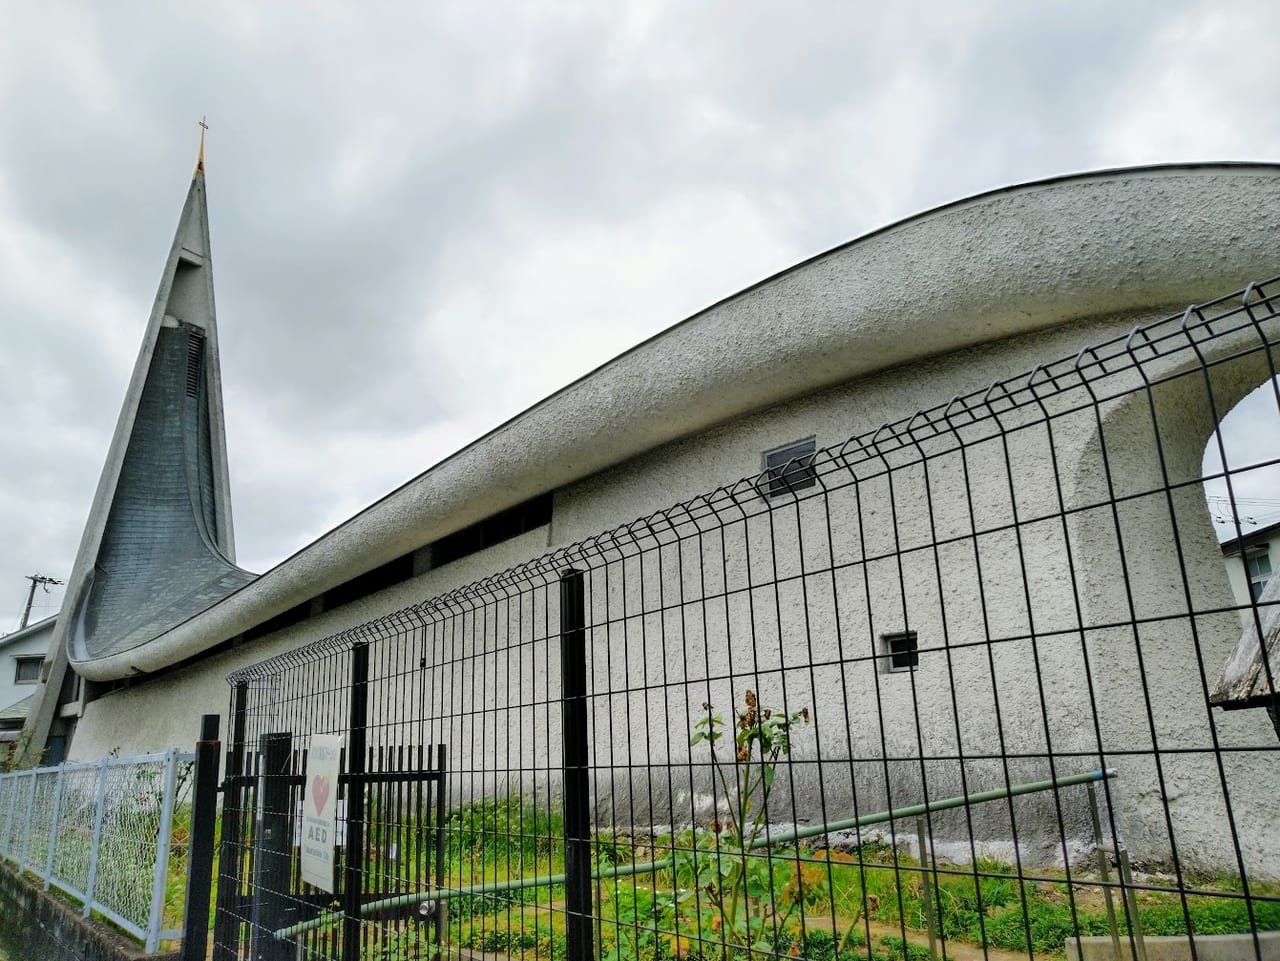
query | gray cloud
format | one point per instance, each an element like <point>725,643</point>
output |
<point>425,219</point>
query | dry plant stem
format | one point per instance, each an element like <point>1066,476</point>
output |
<point>728,892</point>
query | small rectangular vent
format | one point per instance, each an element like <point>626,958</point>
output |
<point>195,353</point>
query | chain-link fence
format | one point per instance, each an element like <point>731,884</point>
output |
<point>112,834</point>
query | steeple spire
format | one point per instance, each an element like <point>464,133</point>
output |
<point>157,548</point>
<point>200,158</point>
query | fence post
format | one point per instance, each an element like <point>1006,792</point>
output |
<point>353,876</point>
<point>11,795</point>
<point>7,829</point>
<point>442,904</point>
<point>6,798</point>
<point>226,922</point>
<point>95,845</point>
<point>53,829</point>
<point>577,797</point>
<point>160,875</point>
<point>204,823</point>
<point>12,781</point>
<point>26,824</point>
<point>273,851</point>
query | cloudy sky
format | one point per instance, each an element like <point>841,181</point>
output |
<point>425,217</point>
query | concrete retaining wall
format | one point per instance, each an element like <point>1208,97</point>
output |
<point>36,926</point>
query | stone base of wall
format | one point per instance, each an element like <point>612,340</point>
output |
<point>36,926</point>
<point>1209,947</point>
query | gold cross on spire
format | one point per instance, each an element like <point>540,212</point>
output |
<point>200,159</point>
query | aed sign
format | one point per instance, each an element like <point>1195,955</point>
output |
<point>320,810</point>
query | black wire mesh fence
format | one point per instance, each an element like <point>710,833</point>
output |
<point>950,688</point>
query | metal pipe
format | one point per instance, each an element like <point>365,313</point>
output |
<point>1131,899</point>
<point>768,838</point>
<point>926,886</point>
<point>1112,926</point>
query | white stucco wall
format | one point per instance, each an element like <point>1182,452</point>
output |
<point>165,711</point>
<point>970,700</point>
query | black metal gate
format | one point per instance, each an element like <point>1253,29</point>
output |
<point>390,805</point>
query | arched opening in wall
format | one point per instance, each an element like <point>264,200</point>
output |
<point>1241,467</point>
<point>1160,623</point>
<point>1242,489</point>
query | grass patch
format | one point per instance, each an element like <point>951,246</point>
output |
<point>821,904</point>
<point>795,901</point>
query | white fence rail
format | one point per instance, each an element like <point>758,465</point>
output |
<point>110,834</point>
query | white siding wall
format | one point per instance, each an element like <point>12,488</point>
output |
<point>34,642</point>
<point>1240,580</point>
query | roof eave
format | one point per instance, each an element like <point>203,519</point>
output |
<point>1010,261</point>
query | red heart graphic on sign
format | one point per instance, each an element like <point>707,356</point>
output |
<point>319,792</point>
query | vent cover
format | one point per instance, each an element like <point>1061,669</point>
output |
<point>195,353</point>
<point>789,469</point>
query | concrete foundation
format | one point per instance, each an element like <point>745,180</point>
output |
<point>36,926</point>
<point>1209,947</point>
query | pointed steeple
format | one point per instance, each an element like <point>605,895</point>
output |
<point>158,547</point>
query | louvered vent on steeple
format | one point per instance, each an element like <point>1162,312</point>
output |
<point>195,354</point>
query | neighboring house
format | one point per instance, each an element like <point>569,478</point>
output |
<point>22,656</point>
<point>1251,559</point>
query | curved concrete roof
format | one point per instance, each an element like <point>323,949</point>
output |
<point>1001,263</point>
<point>158,563</point>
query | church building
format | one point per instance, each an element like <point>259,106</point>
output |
<point>1049,538</point>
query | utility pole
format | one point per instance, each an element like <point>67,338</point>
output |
<point>31,594</point>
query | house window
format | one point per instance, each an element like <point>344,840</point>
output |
<point>1258,568</point>
<point>900,651</point>
<point>27,670</point>
<point>789,469</point>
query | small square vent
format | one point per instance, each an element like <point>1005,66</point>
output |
<point>901,652</point>
<point>789,469</point>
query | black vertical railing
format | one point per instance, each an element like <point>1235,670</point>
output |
<point>228,921</point>
<point>352,878</point>
<point>577,795</point>
<point>273,865</point>
<point>204,826</point>
<point>436,846</point>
